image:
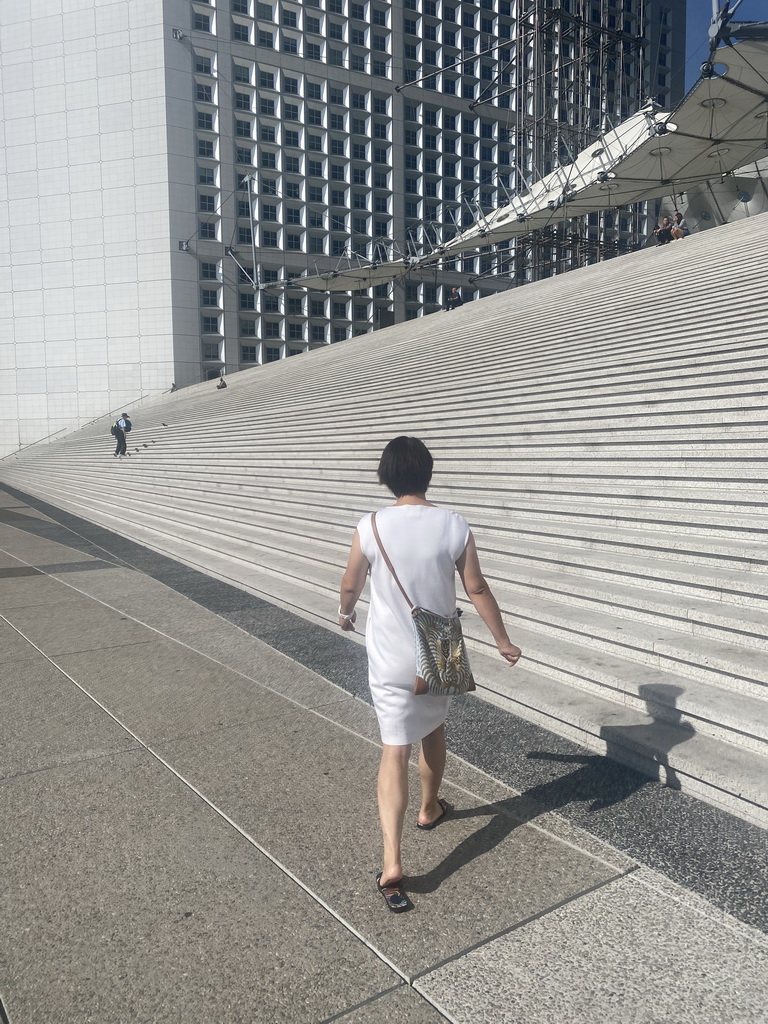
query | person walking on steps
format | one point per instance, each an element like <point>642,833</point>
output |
<point>427,545</point>
<point>120,428</point>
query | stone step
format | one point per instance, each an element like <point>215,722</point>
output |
<point>727,389</point>
<point>718,495</point>
<point>578,411</point>
<point>656,536</point>
<point>440,434</point>
<point>531,451</point>
<point>704,468</point>
<point>591,429</point>
<point>661,571</point>
<point>684,578</point>
<point>725,377</point>
<point>652,558</point>
<point>730,776</point>
<point>649,398</point>
<point>738,624</point>
<point>315,397</point>
<point>614,474</point>
<point>733,522</point>
<point>635,641</point>
<point>742,625</point>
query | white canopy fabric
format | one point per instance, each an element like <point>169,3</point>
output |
<point>721,125</point>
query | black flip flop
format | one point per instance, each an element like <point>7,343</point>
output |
<point>447,808</point>
<point>393,895</point>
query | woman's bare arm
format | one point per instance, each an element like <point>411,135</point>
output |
<point>352,584</point>
<point>480,595</point>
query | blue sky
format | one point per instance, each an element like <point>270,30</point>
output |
<point>699,17</point>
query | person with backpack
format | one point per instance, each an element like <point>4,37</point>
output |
<point>119,429</point>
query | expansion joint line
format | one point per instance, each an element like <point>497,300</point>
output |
<point>526,921</point>
<point>221,813</point>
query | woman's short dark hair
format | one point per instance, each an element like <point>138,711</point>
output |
<point>405,466</point>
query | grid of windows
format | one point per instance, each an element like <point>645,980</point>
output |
<point>329,157</point>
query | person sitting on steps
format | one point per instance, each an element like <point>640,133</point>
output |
<point>679,227</point>
<point>663,232</point>
<point>454,299</point>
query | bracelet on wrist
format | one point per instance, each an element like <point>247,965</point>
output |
<point>346,617</point>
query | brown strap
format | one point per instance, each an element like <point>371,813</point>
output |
<point>386,559</point>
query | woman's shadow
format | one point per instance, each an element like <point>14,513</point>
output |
<point>601,781</point>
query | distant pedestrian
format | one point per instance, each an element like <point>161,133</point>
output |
<point>221,385</point>
<point>120,428</point>
<point>173,388</point>
<point>454,299</point>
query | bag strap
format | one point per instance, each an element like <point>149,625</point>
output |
<point>386,559</point>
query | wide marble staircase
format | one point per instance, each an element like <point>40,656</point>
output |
<point>604,433</point>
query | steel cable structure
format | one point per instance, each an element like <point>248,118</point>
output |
<point>721,125</point>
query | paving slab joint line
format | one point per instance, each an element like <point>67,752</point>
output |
<point>317,711</point>
<point>659,884</point>
<point>176,640</point>
<point>314,710</point>
<point>409,980</point>
<point>521,924</point>
<point>358,1006</point>
<point>225,817</point>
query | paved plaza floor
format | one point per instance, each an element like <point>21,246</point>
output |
<point>189,832</point>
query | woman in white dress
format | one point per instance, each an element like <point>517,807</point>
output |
<point>426,545</point>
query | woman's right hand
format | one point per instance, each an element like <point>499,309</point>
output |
<point>510,653</point>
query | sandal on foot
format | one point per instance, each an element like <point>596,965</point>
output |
<point>393,895</point>
<point>447,808</point>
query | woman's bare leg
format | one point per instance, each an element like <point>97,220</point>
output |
<point>431,768</point>
<point>393,801</point>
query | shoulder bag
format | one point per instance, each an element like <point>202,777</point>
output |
<point>442,665</point>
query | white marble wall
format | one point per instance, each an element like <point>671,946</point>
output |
<point>86,320</point>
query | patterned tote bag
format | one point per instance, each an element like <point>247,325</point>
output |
<point>442,665</point>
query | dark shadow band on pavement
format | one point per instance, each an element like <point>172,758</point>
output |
<point>699,846</point>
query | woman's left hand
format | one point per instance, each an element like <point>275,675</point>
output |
<point>510,652</point>
<point>348,624</point>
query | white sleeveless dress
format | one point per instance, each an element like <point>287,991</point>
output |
<point>423,544</point>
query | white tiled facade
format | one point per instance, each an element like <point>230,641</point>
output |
<point>87,300</point>
<point>130,125</point>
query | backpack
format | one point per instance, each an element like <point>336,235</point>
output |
<point>114,429</point>
<point>127,427</point>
